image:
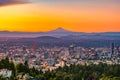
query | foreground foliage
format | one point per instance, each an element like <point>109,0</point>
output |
<point>73,72</point>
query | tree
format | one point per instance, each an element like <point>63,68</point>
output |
<point>21,68</point>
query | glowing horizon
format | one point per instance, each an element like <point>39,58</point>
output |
<point>86,16</point>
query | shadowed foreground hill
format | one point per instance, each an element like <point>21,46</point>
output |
<point>63,41</point>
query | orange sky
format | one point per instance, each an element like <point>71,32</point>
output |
<point>75,16</point>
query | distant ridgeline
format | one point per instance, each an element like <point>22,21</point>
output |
<point>49,41</point>
<point>61,37</point>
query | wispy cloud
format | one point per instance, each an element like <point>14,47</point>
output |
<point>74,0</point>
<point>11,2</point>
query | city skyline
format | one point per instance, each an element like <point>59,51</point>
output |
<point>45,15</point>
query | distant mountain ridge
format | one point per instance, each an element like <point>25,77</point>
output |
<point>55,33</point>
<point>60,32</point>
<point>61,37</point>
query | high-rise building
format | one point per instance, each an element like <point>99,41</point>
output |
<point>34,47</point>
<point>112,48</point>
<point>24,48</point>
<point>117,49</point>
<point>71,49</point>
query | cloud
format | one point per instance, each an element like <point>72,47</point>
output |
<point>11,2</point>
<point>74,0</point>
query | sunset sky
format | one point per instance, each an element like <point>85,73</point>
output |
<point>74,15</point>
